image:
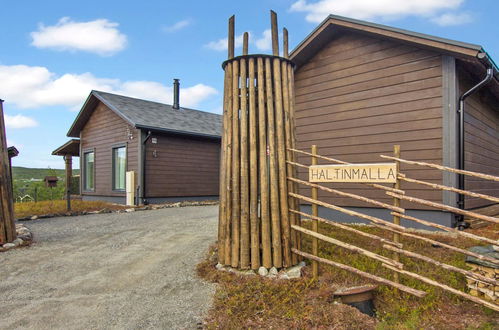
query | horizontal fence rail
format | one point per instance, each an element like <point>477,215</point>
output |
<point>417,293</point>
<point>394,246</point>
<point>444,168</point>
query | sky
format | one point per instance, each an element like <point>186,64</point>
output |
<point>54,53</point>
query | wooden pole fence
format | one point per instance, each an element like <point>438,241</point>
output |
<point>315,222</point>
<point>468,273</point>
<point>440,244</point>
<point>347,246</point>
<point>396,203</point>
<point>347,228</point>
<point>444,287</point>
<point>442,187</point>
<point>444,207</point>
<point>372,277</point>
<point>444,168</point>
<point>349,212</point>
<point>448,229</point>
<point>353,196</point>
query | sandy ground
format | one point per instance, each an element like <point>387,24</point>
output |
<point>128,270</point>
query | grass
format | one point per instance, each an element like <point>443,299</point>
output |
<point>58,207</point>
<point>304,303</point>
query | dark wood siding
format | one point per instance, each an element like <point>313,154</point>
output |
<point>359,96</point>
<point>104,130</point>
<point>179,166</point>
<point>481,139</point>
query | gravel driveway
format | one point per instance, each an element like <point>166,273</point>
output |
<point>122,270</point>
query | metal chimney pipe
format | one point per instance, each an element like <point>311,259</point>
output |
<point>176,94</point>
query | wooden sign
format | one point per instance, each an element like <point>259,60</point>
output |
<point>373,173</point>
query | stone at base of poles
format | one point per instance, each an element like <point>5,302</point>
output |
<point>283,273</point>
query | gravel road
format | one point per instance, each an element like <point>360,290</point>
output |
<point>119,271</point>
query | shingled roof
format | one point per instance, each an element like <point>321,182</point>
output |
<point>150,115</point>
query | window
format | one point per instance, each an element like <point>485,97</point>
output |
<point>88,170</point>
<point>119,168</point>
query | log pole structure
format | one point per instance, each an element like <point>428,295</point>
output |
<point>258,134</point>
<point>7,226</point>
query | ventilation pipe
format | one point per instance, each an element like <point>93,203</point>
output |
<point>490,74</point>
<point>176,94</point>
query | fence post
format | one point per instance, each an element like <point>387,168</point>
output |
<point>315,222</point>
<point>396,202</point>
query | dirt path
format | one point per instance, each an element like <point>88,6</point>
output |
<point>128,270</point>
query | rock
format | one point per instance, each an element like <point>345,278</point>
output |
<point>130,210</point>
<point>294,272</point>
<point>219,266</point>
<point>263,271</point>
<point>176,204</point>
<point>9,246</point>
<point>18,242</point>
<point>248,273</point>
<point>284,276</point>
<point>34,217</point>
<point>25,237</point>
<point>273,272</point>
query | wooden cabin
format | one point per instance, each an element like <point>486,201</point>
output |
<point>173,151</point>
<point>362,88</point>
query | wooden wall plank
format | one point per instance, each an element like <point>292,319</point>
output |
<point>359,96</point>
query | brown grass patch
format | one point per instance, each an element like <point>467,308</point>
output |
<point>254,302</point>
<point>58,207</point>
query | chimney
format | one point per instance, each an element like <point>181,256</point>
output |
<point>176,94</point>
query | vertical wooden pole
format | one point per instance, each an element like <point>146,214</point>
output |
<point>8,229</point>
<point>264,170</point>
<point>224,207</point>
<point>275,36</point>
<point>230,39</point>
<point>235,217</point>
<point>273,170</point>
<point>69,174</point>
<point>228,167</point>
<point>315,223</point>
<point>296,202</point>
<point>281,162</point>
<point>245,43</point>
<point>289,154</point>
<point>396,202</point>
<point>285,43</point>
<point>253,161</point>
<point>243,122</point>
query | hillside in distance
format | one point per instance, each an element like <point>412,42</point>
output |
<point>26,173</point>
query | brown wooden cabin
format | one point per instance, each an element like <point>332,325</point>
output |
<point>363,87</point>
<point>174,151</point>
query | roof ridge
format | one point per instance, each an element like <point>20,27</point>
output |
<point>144,100</point>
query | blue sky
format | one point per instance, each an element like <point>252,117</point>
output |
<point>55,52</point>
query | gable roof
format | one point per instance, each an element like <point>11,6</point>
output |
<point>150,115</point>
<point>336,24</point>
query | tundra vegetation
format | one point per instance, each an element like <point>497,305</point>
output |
<point>255,302</point>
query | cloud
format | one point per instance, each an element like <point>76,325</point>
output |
<point>189,97</point>
<point>449,19</point>
<point>263,43</point>
<point>99,36</point>
<point>222,44</point>
<point>19,121</point>
<point>34,86</point>
<point>368,9</point>
<point>178,26</point>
